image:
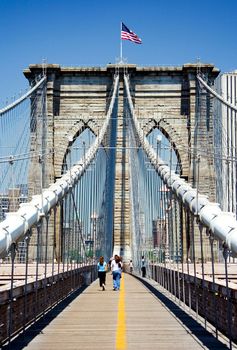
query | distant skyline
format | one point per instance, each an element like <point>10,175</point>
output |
<point>79,33</point>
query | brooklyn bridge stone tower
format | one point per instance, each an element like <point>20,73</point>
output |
<point>164,97</point>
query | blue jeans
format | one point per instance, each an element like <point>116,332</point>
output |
<point>116,279</point>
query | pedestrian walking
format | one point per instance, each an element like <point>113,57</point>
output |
<point>101,268</point>
<point>130,266</point>
<point>116,267</point>
<point>143,267</point>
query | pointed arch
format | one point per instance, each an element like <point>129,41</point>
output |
<point>74,129</point>
<point>178,137</point>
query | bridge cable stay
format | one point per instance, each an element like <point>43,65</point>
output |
<point>20,149</point>
<point>64,228</point>
<point>226,151</point>
<point>70,203</point>
<point>15,140</point>
<point>225,154</point>
<point>210,215</point>
<point>178,260</point>
<point>220,124</point>
<point>15,147</point>
<point>23,97</point>
<point>200,150</point>
<point>29,214</point>
<point>214,93</point>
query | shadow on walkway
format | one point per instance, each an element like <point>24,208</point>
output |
<point>23,339</point>
<point>195,328</point>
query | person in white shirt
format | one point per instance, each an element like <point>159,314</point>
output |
<point>116,268</point>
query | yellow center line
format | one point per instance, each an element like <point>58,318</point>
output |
<point>121,340</point>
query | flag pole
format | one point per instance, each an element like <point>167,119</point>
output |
<point>121,44</point>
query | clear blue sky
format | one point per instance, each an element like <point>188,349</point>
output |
<point>87,32</point>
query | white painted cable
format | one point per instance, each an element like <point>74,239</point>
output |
<point>214,93</point>
<point>16,224</point>
<point>22,98</point>
<point>222,225</point>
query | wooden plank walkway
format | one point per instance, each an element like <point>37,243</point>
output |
<point>132,318</point>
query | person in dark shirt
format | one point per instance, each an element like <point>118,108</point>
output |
<point>143,267</point>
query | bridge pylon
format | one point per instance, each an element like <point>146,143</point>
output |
<point>166,98</point>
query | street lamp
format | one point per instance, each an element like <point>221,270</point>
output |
<point>70,140</point>
<point>159,139</point>
<point>94,218</point>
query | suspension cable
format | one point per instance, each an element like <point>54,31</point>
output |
<point>214,93</point>
<point>223,225</point>
<point>29,214</point>
<point>22,98</point>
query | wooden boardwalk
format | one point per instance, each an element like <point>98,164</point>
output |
<point>132,318</point>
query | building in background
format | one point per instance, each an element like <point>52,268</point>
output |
<point>10,202</point>
<point>158,233</point>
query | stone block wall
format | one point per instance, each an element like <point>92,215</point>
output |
<point>164,97</point>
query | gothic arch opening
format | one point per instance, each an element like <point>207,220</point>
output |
<point>77,147</point>
<point>166,150</point>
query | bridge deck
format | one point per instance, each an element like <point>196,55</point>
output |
<point>133,318</point>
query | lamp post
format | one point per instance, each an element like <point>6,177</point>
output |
<point>94,218</point>
<point>158,140</point>
<point>70,141</point>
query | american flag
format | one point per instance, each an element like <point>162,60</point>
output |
<point>127,34</point>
